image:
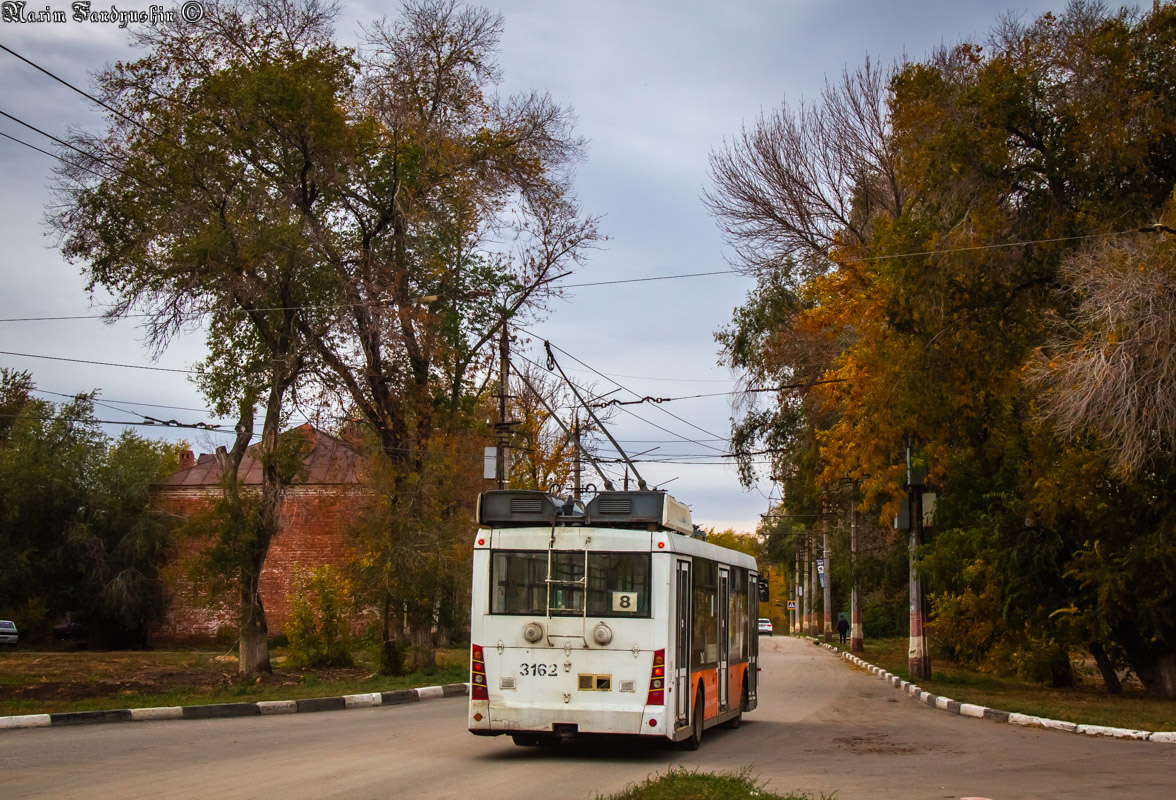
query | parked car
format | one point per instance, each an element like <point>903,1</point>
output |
<point>8,633</point>
<point>765,626</point>
<point>70,628</point>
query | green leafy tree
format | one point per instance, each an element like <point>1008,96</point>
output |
<point>192,207</point>
<point>913,323</point>
<point>76,517</point>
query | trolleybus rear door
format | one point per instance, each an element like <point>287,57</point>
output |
<point>724,620</point>
<point>682,644</point>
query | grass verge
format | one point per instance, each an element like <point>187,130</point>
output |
<point>47,682</point>
<point>683,784</point>
<point>1087,703</point>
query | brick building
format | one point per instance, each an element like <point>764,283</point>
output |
<point>312,523</point>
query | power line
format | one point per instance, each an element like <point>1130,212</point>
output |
<point>100,363</point>
<point>64,143</point>
<point>572,286</point>
<point>89,96</point>
<point>654,278</point>
<point>51,155</point>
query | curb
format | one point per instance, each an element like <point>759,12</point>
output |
<point>223,710</point>
<point>995,714</point>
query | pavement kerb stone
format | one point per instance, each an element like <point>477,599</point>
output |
<point>993,714</point>
<point>1117,733</point>
<point>26,721</point>
<point>223,710</point>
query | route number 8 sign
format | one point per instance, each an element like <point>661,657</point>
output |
<point>624,602</point>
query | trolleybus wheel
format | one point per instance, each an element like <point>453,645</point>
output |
<point>695,738</point>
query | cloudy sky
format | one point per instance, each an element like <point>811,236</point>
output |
<point>656,86</point>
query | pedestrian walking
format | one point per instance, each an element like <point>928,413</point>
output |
<point>842,627</point>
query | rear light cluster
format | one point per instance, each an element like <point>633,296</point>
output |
<point>657,680</point>
<point>478,689</point>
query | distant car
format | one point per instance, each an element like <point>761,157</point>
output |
<point>69,629</point>
<point>8,633</point>
<point>765,626</point>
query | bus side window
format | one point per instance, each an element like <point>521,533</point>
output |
<point>704,644</point>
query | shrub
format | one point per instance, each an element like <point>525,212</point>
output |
<point>317,627</point>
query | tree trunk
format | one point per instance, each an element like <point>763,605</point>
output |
<point>1110,678</point>
<point>253,635</point>
<point>1154,664</point>
<point>424,655</point>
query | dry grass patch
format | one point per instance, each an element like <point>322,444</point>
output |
<point>40,682</point>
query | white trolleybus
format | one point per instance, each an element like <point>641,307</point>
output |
<point>610,617</point>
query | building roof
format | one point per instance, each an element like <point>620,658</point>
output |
<point>329,461</point>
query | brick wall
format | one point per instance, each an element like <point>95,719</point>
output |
<point>312,522</point>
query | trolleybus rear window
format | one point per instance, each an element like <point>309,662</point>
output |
<point>618,584</point>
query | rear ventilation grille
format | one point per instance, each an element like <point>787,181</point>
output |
<point>615,505</point>
<point>526,505</point>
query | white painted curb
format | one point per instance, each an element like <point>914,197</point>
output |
<point>996,715</point>
<point>363,700</point>
<point>26,721</point>
<point>267,707</point>
<point>161,712</point>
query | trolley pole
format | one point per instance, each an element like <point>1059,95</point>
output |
<point>856,640</point>
<point>828,584</point>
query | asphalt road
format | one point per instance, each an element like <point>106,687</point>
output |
<point>822,726</point>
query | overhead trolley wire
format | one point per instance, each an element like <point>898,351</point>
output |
<point>630,413</point>
<point>630,391</point>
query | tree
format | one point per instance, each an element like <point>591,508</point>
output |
<point>76,519</point>
<point>121,540</point>
<point>192,206</point>
<point>917,326</point>
<point>413,549</point>
<point>441,174</point>
<point>1110,371</point>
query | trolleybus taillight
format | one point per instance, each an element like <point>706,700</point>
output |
<point>478,689</point>
<point>657,680</point>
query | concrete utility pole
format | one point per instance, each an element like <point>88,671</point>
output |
<point>828,583</point>
<point>501,464</point>
<point>856,639</point>
<point>807,620</point>
<point>576,463</point>
<point>796,595</point>
<point>816,625</point>
<point>918,657</point>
